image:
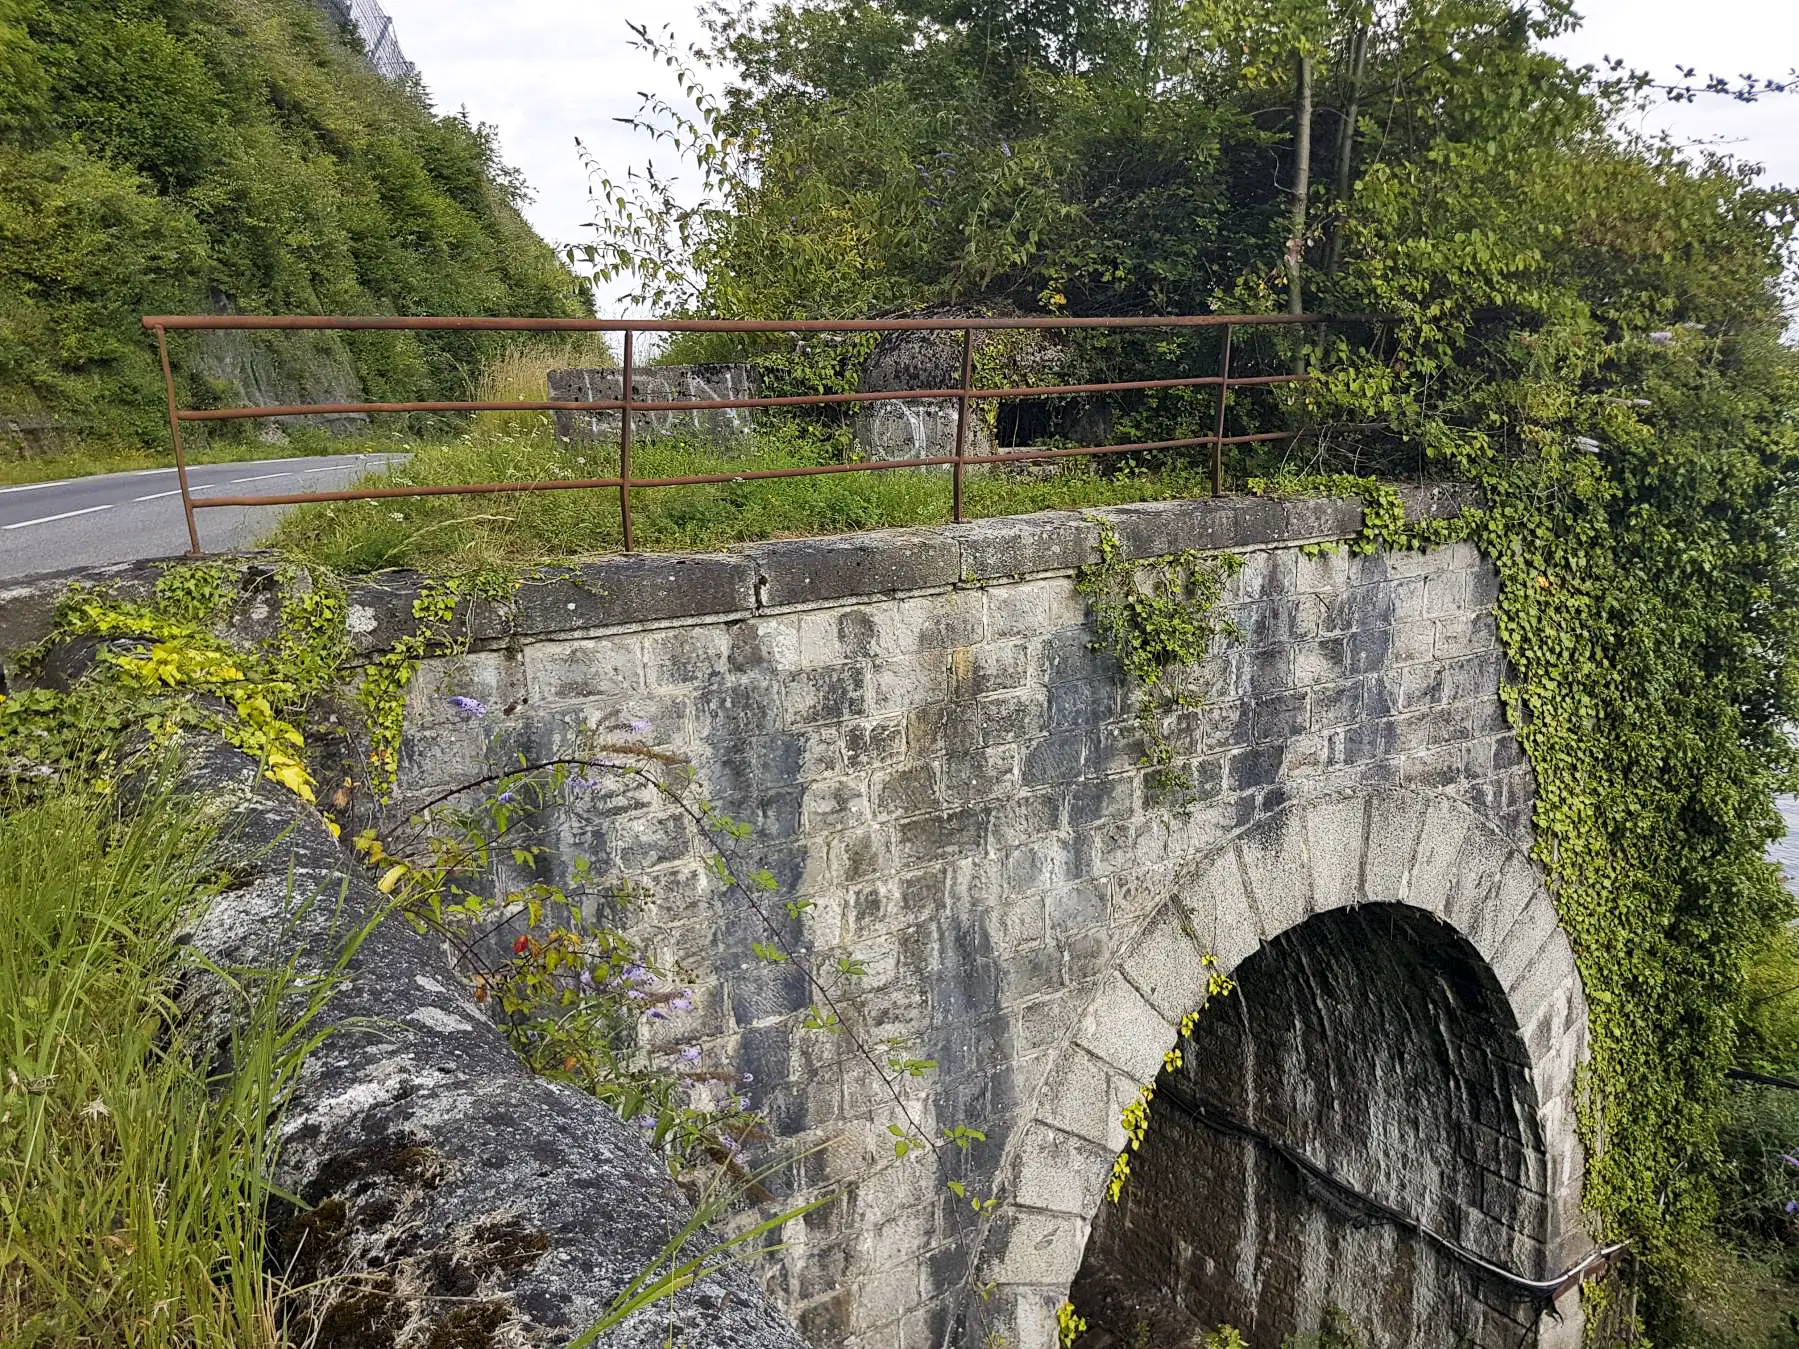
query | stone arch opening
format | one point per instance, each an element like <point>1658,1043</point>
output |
<point>1435,931</point>
<point>1365,1051</point>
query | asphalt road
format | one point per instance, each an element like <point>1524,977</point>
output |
<point>127,517</point>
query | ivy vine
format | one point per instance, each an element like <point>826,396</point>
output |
<point>1159,618</point>
<point>1643,707</point>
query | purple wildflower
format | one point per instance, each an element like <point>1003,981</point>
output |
<point>1793,1206</point>
<point>637,974</point>
<point>636,995</point>
<point>681,1002</point>
<point>506,798</point>
<point>471,707</point>
<point>645,1122</point>
<point>638,726</point>
<point>691,1054</point>
<point>586,979</point>
<point>1790,1159</point>
<point>656,1014</point>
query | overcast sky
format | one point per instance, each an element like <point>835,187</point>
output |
<point>546,71</point>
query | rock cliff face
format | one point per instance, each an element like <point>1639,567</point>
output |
<point>450,1197</point>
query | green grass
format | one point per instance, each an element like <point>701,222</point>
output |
<point>525,528</point>
<point>131,1188</point>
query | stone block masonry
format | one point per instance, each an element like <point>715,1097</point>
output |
<point>932,755</point>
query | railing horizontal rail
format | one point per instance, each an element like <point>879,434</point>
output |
<point>718,404</point>
<point>700,479</point>
<point>407,322</point>
<point>624,481</point>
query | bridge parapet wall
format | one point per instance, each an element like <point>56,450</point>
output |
<point>929,750</point>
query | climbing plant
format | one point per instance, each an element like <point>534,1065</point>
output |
<point>1159,618</point>
<point>1650,643</point>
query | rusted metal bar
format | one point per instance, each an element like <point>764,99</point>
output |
<point>187,497</point>
<point>1016,456</point>
<point>624,444</point>
<point>360,323</point>
<point>624,482</point>
<point>719,404</point>
<point>700,479</point>
<point>962,422</point>
<point>1224,384</point>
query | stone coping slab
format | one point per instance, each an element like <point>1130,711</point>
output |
<point>628,589</point>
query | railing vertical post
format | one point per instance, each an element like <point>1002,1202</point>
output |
<point>1224,383</point>
<point>624,444</point>
<point>187,497</point>
<point>962,421</point>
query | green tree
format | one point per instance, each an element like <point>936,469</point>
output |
<point>174,155</point>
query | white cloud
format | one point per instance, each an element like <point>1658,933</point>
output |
<point>545,72</point>
<point>1722,37</point>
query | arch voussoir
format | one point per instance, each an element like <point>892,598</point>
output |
<point>1277,871</point>
<point>1167,967</point>
<point>1336,832</point>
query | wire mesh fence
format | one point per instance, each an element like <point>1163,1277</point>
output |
<point>375,26</point>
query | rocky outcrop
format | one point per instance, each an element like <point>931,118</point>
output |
<point>450,1197</point>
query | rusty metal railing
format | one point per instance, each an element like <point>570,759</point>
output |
<point>625,483</point>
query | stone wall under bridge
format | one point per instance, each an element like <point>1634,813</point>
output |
<point>928,750</point>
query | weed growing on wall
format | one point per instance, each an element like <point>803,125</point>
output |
<point>579,1000</point>
<point>1159,618</point>
<point>1136,1116</point>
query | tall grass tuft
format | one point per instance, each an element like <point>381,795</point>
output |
<point>132,1188</point>
<point>519,374</point>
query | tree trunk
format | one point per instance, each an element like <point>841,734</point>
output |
<point>1346,130</point>
<point>1302,183</point>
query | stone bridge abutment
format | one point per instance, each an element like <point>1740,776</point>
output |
<point>945,775</point>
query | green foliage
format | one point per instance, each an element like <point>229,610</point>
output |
<point>1159,619</point>
<point>165,156</point>
<point>134,1182</point>
<point>1070,1325</point>
<point>159,671</point>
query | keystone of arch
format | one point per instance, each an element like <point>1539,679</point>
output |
<point>1425,851</point>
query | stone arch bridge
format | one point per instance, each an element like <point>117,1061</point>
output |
<point>1375,1129</point>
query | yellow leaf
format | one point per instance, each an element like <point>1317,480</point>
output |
<point>291,775</point>
<point>391,877</point>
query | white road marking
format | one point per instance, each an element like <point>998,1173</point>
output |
<point>173,492</point>
<point>262,477</point>
<point>66,515</point>
<point>146,472</point>
<point>35,486</point>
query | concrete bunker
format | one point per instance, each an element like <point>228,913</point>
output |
<point>1365,1075</point>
